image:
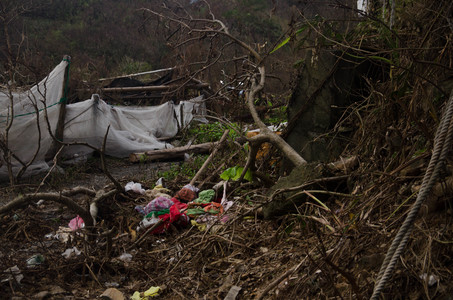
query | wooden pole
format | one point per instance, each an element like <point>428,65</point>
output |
<point>138,74</point>
<point>59,131</point>
<point>152,88</point>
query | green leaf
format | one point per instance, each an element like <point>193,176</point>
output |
<point>283,43</point>
<point>302,29</point>
<point>234,173</point>
<point>248,175</point>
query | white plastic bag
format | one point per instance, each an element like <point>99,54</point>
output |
<point>135,187</point>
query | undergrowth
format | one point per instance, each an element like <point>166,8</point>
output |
<point>184,170</point>
<point>211,132</point>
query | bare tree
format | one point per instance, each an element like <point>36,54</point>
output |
<point>222,46</point>
<point>11,52</point>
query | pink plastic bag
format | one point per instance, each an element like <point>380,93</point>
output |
<point>76,223</point>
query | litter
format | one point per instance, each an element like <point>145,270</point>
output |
<point>205,197</point>
<point>191,187</point>
<point>157,204</point>
<point>71,252</point>
<point>194,212</point>
<point>63,234</point>
<point>186,195</point>
<point>111,284</point>
<point>126,257</point>
<point>151,292</point>
<point>432,279</point>
<point>161,188</point>
<point>214,208</point>
<point>135,187</point>
<point>76,223</point>
<point>158,191</point>
<point>35,260</point>
<point>160,181</point>
<point>147,222</point>
<point>201,227</point>
<point>233,292</point>
<point>173,215</point>
<point>13,274</point>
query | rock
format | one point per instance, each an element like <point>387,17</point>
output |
<point>55,290</point>
<point>41,295</point>
<point>112,294</point>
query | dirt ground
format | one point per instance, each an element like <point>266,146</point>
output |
<point>312,254</point>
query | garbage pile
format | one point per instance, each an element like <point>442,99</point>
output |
<point>189,205</point>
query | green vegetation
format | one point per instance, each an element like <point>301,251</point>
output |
<point>234,174</point>
<point>185,170</point>
<point>212,132</point>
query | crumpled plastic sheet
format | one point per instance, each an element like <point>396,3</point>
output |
<point>71,252</point>
<point>126,257</point>
<point>135,187</point>
<point>76,223</point>
<point>156,204</point>
<point>13,273</point>
<point>173,216</point>
<point>191,187</point>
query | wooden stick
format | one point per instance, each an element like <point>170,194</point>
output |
<point>23,200</point>
<point>278,280</point>
<point>211,156</point>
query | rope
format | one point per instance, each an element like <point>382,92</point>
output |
<point>442,144</point>
<point>62,99</point>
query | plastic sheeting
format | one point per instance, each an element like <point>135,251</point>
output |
<point>25,138</point>
<point>132,129</point>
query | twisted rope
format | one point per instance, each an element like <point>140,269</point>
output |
<point>442,144</point>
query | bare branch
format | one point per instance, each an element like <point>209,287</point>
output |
<point>23,200</point>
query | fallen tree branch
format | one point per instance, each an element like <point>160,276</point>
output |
<point>23,200</point>
<point>211,156</point>
<point>177,152</point>
<point>100,195</point>
<point>302,186</point>
<point>266,135</point>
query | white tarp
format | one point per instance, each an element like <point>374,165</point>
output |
<point>132,129</point>
<point>25,140</point>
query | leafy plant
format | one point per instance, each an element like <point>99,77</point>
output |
<point>234,173</point>
<point>212,132</point>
